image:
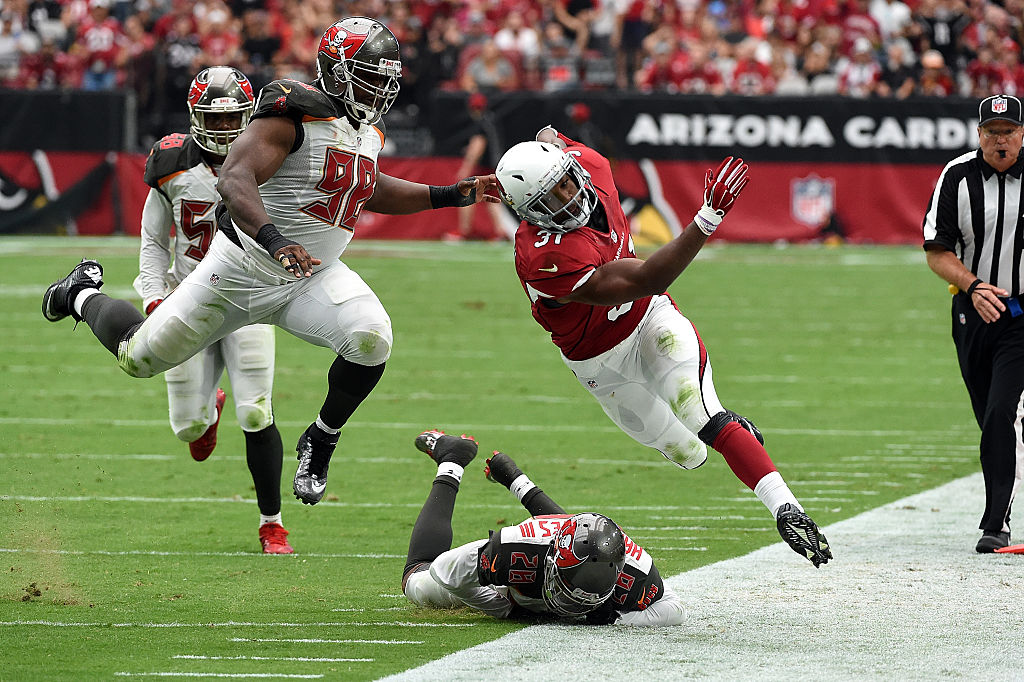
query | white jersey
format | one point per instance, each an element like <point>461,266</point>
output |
<point>316,195</point>
<point>178,218</point>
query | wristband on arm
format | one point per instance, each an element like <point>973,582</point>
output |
<point>443,196</point>
<point>273,241</point>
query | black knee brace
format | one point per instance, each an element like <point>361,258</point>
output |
<point>718,422</point>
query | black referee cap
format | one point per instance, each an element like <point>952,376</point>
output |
<point>1000,108</point>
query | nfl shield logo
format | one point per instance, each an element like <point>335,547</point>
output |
<point>999,105</point>
<point>214,279</point>
<point>812,199</point>
<point>591,383</point>
<point>963,319</point>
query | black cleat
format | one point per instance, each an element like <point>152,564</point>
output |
<point>800,533</point>
<point>991,540</point>
<point>315,449</point>
<point>502,469</point>
<point>444,448</point>
<point>59,299</point>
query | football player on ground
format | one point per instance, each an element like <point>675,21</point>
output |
<point>567,566</point>
<point>618,330</point>
<point>177,228</point>
<point>293,185</point>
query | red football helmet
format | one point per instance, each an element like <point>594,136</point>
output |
<point>219,90</point>
<point>359,63</point>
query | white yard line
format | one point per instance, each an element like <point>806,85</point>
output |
<point>229,624</point>
<point>906,598</point>
<point>310,640</point>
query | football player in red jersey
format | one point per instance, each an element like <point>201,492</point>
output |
<point>618,330</point>
<point>568,566</point>
<point>177,228</point>
<point>293,186</point>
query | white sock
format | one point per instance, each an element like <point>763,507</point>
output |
<point>81,298</point>
<point>774,492</point>
<point>276,518</point>
<point>521,486</point>
<point>324,427</point>
<point>450,469</point>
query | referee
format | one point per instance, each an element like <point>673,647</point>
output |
<point>974,239</point>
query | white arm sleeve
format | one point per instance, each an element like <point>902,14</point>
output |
<point>666,611</point>
<point>155,251</point>
<point>455,570</point>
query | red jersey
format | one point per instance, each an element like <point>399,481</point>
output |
<point>551,266</point>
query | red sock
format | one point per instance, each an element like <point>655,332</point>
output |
<point>745,456</point>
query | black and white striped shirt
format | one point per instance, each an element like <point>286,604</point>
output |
<point>978,214</point>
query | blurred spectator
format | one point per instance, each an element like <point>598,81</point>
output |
<point>15,40</point>
<point>480,157</point>
<point>44,20</point>
<point>751,76</point>
<point>898,76</point>
<point>559,63</point>
<point>857,23</point>
<point>98,45</point>
<point>661,72</point>
<point>516,35</point>
<point>984,76</point>
<point>259,47</point>
<point>934,79</point>
<point>218,40</point>
<point>892,16</point>
<point>168,23</point>
<point>859,77</point>
<point>817,69</point>
<point>1013,74</point>
<point>938,25</point>
<point>788,81</point>
<point>444,44</point>
<point>575,17</point>
<point>137,64</point>
<point>489,72</point>
<point>179,62</point>
<point>633,22</point>
<point>47,69</point>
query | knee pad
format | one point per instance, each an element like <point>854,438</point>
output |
<point>688,456</point>
<point>175,341</point>
<point>370,347</point>
<point>256,416</point>
<point>710,432</point>
<point>190,432</point>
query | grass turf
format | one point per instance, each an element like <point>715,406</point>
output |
<point>129,556</point>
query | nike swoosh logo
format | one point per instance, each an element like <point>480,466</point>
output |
<point>318,487</point>
<point>287,91</point>
<point>553,268</point>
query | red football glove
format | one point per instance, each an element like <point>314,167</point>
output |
<point>720,191</point>
<point>152,306</point>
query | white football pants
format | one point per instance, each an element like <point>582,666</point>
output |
<point>334,308</point>
<point>656,384</point>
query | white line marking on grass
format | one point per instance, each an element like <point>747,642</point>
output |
<point>906,598</point>
<point>305,659</point>
<point>389,608</point>
<point>79,455</point>
<point>104,552</point>
<point>232,624</point>
<point>515,428</point>
<point>329,641</point>
<point>227,675</point>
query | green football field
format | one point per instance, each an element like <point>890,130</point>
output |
<point>123,557</point>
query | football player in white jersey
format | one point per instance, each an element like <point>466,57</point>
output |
<point>293,185</point>
<point>554,564</point>
<point>177,229</point>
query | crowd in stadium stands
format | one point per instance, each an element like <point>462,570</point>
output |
<point>856,48</point>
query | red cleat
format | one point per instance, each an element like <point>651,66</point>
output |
<point>274,539</point>
<point>204,445</point>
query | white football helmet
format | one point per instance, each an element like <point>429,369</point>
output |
<point>528,172</point>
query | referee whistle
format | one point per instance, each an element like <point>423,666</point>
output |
<point>954,289</point>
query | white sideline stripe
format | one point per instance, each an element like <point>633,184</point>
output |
<point>389,608</point>
<point>906,598</point>
<point>231,624</point>
<point>329,641</point>
<point>79,455</point>
<point>308,659</point>
<point>139,552</point>
<point>953,432</point>
<point>227,675</point>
